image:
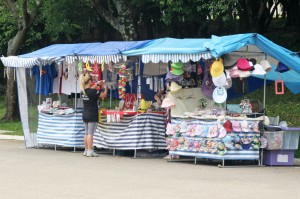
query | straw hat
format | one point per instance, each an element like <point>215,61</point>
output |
<point>174,87</point>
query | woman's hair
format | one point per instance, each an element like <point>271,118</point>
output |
<point>84,79</point>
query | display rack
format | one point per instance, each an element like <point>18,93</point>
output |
<point>187,148</point>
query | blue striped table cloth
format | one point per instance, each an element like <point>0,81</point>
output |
<point>143,131</point>
<point>63,130</point>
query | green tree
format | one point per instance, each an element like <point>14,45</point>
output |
<point>23,14</point>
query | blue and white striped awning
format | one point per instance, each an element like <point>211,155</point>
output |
<point>17,62</point>
<point>99,59</point>
<point>165,58</point>
<point>14,61</point>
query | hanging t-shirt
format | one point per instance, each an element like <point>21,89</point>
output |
<point>44,85</point>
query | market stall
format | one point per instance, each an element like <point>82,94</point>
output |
<point>196,76</point>
<point>236,58</point>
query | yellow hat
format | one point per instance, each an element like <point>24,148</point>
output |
<point>217,68</point>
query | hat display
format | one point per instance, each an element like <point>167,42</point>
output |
<point>282,68</point>
<point>170,77</point>
<point>243,64</point>
<point>228,126</point>
<point>219,94</point>
<point>217,68</point>
<point>167,103</point>
<point>236,126</point>
<point>174,87</point>
<point>219,81</point>
<point>229,60</point>
<point>258,70</point>
<point>244,74</point>
<point>266,65</point>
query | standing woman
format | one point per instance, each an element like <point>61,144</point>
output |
<point>90,96</point>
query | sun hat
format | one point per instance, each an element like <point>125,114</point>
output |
<point>236,126</point>
<point>177,65</point>
<point>219,81</point>
<point>253,61</point>
<point>228,141</point>
<point>174,87</point>
<point>245,126</point>
<point>217,68</point>
<point>222,131</point>
<point>167,103</point>
<point>258,70</point>
<point>243,74</point>
<point>255,127</point>
<point>228,61</point>
<point>213,132</point>
<point>183,126</point>
<point>176,71</point>
<point>219,94</point>
<point>170,129</point>
<point>243,64</point>
<point>228,126</point>
<point>266,65</point>
<point>233,72</point>
<point>282,68</point>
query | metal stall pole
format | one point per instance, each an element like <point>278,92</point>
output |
<point>264,113</point>
<point>40,83</point>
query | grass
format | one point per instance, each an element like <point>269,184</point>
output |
<point>15,127</point>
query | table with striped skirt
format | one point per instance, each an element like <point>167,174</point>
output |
<point>62,130</point>
<point>142,131</point>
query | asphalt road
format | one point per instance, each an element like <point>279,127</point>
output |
<point>46,173</point>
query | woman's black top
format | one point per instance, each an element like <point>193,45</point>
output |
<point>90,105</point>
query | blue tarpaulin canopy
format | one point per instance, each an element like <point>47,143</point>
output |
<point>227,44</point>
<point>170,49</point>
<point>108,51</point>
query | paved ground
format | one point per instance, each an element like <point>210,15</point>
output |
<point>45,173</point>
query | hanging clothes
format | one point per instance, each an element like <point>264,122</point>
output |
<point>44,78</point>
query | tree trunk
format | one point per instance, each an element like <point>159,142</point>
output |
<point>12,106</point>
<point>120,16</point>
